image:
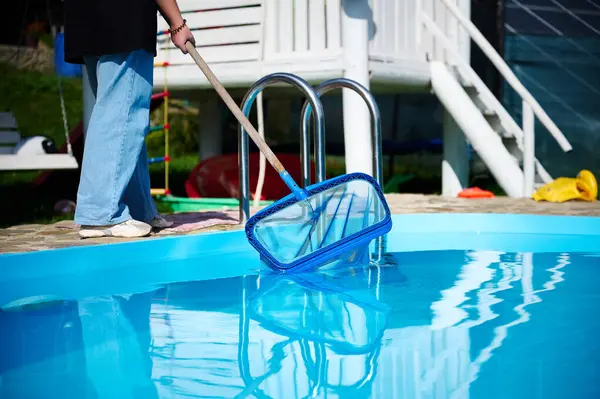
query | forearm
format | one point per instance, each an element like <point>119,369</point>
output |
<point>170,12</point>
<point>180,33</point>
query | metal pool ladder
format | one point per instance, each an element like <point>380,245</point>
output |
<point>311,103</point>
<point>243,149</point>
<point>343,83</point>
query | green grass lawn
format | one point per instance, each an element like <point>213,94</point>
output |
<point>34,100</point>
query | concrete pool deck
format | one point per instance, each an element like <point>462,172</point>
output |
<point>28,238</point>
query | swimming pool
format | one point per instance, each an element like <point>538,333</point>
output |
<point>478,306</point>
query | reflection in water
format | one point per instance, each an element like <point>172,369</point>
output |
<point>446,324</point>
<point>333,325</point>
<point>522,271</point>
<point>97,347</point>
<point>116,340</point>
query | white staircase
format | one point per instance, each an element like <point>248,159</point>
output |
<point>475,125</point>
<point>443,25</point>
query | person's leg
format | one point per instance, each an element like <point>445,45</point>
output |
<point>114,142</point>
<point>137,194</point>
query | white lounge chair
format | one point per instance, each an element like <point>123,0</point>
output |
<point>33,153</point>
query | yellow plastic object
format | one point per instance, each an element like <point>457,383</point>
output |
<point>584,187</point>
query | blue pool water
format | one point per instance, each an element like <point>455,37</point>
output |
<point>455,311</point>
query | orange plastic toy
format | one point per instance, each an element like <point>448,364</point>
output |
<point>475,192</point>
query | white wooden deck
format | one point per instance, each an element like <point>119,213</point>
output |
<point>244,40</point>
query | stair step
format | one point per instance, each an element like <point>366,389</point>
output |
<point>471,90</point>
<point>494,120</point>
<point>478,103</point>
<point>489,114</point>
<point>455,71</point>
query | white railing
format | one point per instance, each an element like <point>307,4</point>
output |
<point>301,27</point>
<point>528,149</point>
<point>434,41</point>
<point>392,30</point>
<point>226,31</point>
<point>247,39</point>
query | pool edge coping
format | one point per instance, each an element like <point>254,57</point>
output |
<point>506,227</point>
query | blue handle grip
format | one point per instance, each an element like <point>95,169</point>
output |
<point>299,193</point>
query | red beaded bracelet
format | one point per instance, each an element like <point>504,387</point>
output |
<point>176,30</point>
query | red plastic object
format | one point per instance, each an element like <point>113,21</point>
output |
<point>218,177</point>
<point>475,192</point>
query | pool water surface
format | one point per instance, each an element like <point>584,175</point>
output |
<point>425,324</point>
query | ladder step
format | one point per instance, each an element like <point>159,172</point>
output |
<point>158,96</point>
<point>159,159</point>
<point>159,127</point>
<point>160,191</point>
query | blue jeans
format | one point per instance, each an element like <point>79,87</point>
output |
<point>115,182</point>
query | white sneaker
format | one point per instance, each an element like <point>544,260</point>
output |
<point>158,222</point>
<point>128,229</point>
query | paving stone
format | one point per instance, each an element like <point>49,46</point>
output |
<point>14,232</point>
<point>25,227</point>
<point>11,248</point>
<point>53,232</point>
<point>69,237</point>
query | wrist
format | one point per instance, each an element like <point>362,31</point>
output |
<point>177,27</point>
<point>175,22</point>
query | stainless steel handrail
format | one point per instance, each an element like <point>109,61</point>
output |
<point>343,83</point>
<point>319,119</point>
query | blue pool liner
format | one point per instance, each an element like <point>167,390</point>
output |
<point>139,266</point>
